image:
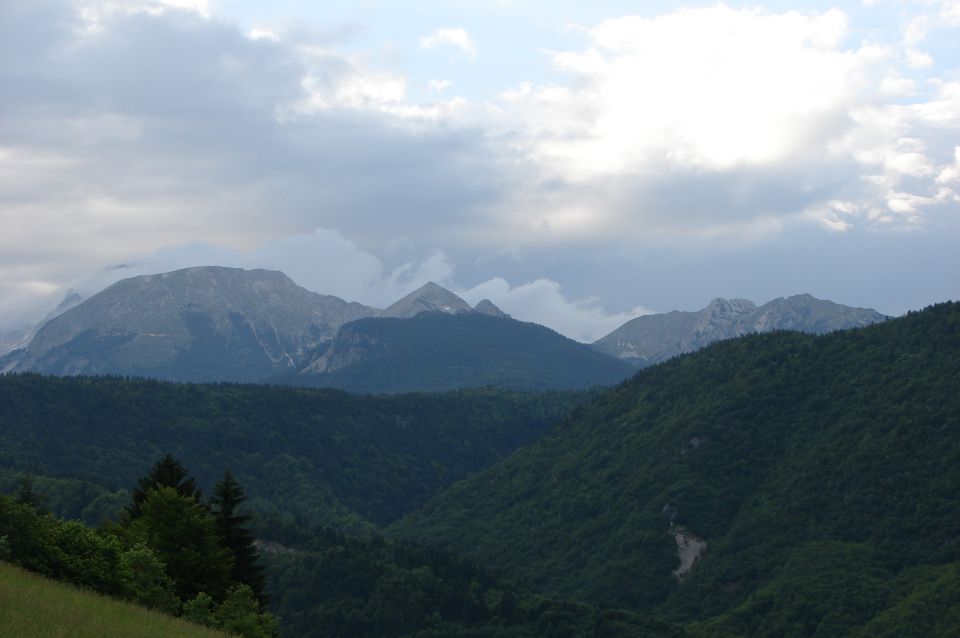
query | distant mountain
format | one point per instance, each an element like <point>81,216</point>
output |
<point>20,338</point>
<point>428,298</point>
<point>439,351</point>
<point>195,324</point>
<point>651,339</point>
<point>776,484</point>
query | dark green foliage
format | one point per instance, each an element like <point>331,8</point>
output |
<point>183,535</point>
<point>26,494</point>
<point>239,613</point>
<point>69,498</point>
<point>770,447</point>
<point>166,473</point>
<point>317,455</point>
<point>339,586</point>
<point>167,555</point>
<point>235,536</point>
<point>67,550</point>
<point>149,581</point>
<point>435,351</point>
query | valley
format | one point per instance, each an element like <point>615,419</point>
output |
<point>691,495</point>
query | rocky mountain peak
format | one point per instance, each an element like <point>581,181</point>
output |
<point>729,306</point>
<point>429,297</point>
<point>653,338</point>
<point>487,307</point>
<point>201,323</point>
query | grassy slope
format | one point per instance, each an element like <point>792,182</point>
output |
<point>35,607</point>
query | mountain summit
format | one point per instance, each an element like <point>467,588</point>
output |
<point>195,324</point>
<point>429,297</point>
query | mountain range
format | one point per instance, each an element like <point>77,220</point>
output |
<point>229,324</point>
<point>650,339</point>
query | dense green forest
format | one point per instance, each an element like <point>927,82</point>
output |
<point>821,472</point>
<point>778,450</point>
<point>176,553</point>
<point>439,351</point>
<point>333,585</point>
<point>311,456</point>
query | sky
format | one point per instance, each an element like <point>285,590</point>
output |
<point>577,163</point>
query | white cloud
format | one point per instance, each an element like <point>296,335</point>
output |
<point>697,89</point>
<point>951,172</point>
<point>729,102</point>
<point>458,38</point>
<point>542,301</point>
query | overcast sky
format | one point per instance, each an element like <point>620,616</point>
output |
<point>578,163</point>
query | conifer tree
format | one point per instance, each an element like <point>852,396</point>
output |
<point>234,535</point>
<point>168,472</point>
<point>183,534</point>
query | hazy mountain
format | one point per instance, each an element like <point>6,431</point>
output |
<point>208,323</point>
<point>798,485</point>
<point>428,298</point>
<point>440,351</point>
<point>19,338</point>
<point>651,339</point>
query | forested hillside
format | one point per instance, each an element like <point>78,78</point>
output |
<point>437,351</point>
<point>322,456</point>
<point>822,473</point>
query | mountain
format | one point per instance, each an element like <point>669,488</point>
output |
<point>440,351</point>
<point>195,324</point>
<point>20,338</point>
<point>487,307</point>
<point>776,484</point>
<point>428,298</point>
<point>651,339</point>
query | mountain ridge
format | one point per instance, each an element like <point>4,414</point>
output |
<point>650,339</point>
<point>196,324</point>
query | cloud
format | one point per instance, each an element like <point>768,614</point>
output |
<point>322,261</point>
<point>721,121</point>
<point>542,301</point>
<point>161,128</point>
<point>458,38</point>
<point>129,128</point>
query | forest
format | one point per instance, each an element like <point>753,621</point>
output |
<point>820,472</point>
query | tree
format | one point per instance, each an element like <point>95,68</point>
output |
<point>183,535</point>
<point>234,535</point>
<point>166,473</point>
<point>26,495</point>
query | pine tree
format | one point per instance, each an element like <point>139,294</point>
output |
<point>183,535</point>
<point>26,495</point>
<point>234,535</point>
<point>166,473</point>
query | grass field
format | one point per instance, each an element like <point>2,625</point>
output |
<point>35,607</point>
